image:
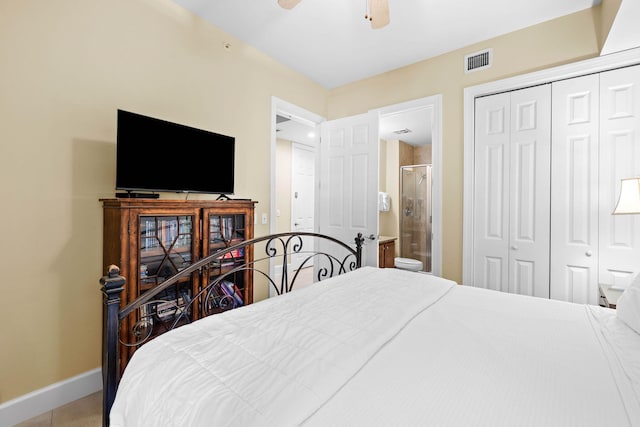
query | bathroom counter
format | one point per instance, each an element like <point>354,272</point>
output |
<point>386,251</point>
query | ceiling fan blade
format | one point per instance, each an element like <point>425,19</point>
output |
<point>288,4</point>
<point>379,13</point>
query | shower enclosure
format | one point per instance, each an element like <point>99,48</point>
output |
<point>415,215</point>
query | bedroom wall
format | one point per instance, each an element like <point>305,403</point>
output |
<point>564,40</point>
<point>66,67</point>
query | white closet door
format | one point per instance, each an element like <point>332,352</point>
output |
<point>619,158</point>
<point>530,191</point>
<point>491,198</point>
<point>574,194</point>
<point>511,229</point>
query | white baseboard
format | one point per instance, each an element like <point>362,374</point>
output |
<point>50,397</point>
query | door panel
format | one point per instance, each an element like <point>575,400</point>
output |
<point>574,195</point>
<point>524,278</point>
<point>494,274</point>
<point>530,191</point>
<point>620,158</point>
<point>360,206</point>
<point>348,192</point>
<point>491,218</point>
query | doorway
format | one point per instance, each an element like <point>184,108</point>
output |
<point>295,137</point>
<point>432,104</point>
<point>410,134</point>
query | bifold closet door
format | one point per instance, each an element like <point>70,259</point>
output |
<point>619,260</point>
<point>574,193</point>
<point>512,191</point>
<point>491,198</point>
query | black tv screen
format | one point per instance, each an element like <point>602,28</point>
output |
<point>157,155</point>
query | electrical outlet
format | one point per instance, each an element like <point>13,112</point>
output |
<point>265,219</point>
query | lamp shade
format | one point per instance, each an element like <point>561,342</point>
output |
<point>629,199</point>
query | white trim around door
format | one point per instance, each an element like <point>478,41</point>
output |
<point>434,102</point>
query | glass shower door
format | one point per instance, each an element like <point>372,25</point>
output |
<point>415,217</point>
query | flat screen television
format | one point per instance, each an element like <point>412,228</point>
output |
<point>155,155</point>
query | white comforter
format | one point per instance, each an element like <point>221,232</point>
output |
<point>388,347</point>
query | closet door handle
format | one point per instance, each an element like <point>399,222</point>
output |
<point>588,253</point>
<point>514,247</point>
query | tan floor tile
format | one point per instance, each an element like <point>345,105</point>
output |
<point>86,412</point>
<point>43,420</point>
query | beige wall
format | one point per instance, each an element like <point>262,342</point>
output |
<point>603,17</point>
<point>556,42</point>
<point>66,67</point>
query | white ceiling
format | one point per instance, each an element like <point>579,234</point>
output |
<point>413,127</point>
<point>625,31</point>
<point>330,42</point>
<point>291,129</point>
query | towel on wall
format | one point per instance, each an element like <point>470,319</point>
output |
<point>384,202</point>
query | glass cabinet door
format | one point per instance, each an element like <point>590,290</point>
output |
<point>225,231</point>
<point>165,249</point>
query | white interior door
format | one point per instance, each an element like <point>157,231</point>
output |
<point>574,196</point>
<point>530,191</point>
<point>302,195</point>
<point>619,245</point>
<point>491,197</point>
<point>512,191</point>
<point>348,185</point>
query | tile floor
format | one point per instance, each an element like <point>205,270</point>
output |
<point>85,412</point>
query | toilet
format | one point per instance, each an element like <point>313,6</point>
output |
<point>408,264</point>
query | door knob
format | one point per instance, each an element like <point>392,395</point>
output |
<point>372,237</point>
<point>588,253</point>
<point>514,247</point>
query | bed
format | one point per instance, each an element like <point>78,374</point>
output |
<point>391,347</point>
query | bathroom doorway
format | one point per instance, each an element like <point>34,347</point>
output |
<point>416,214</point>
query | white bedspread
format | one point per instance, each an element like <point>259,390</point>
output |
<point>389,348</point>
<point>273,363</point>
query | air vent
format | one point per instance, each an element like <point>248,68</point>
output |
<point>478,61</point>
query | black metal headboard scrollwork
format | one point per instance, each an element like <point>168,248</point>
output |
<point>329,257</point>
